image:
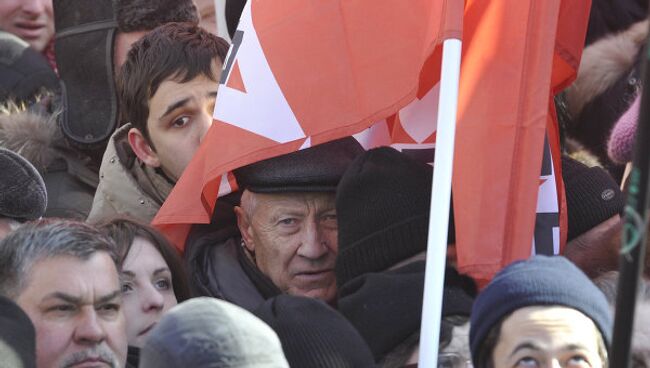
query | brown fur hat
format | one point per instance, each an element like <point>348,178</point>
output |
<point>145,15</point>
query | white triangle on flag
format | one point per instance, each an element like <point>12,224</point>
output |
<point>419,118</point>
<point>306,144</point>
<point>376,136</point>
<point>224,186</point>
<point>263,109</point>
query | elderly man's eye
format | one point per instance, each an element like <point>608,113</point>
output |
<point>287,221</point>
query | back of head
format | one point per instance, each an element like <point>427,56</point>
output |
<point>538,281</point>
<point>208,332</point>
<point>313,334</point>
<point>17,336</point>
<point>382,206</point>
<point>22,191</point>
<point>386,307</point>
<point>44,239</point>
<point>145,15</point>
<point>173,51</point>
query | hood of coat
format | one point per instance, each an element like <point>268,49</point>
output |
<point>603,63</point>
<point>30,134</point>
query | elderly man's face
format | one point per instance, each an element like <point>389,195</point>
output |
<point>31,20</point>
<point>535,337</point>
<point>75,306</point>
<point>293,237</point>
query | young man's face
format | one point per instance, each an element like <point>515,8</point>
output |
<point>547,336</point>
<point>31,20</point>
<point>179,116</point>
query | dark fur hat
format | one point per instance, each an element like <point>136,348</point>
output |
<point>145,15</point>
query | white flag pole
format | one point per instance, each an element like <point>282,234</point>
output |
<point>440,198</point>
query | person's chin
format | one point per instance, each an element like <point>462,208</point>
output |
<point>324,289</point>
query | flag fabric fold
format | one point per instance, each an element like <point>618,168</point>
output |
<point>516,56</point>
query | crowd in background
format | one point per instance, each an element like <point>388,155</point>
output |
<point>318,259</point>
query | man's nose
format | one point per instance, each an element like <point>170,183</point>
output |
<point>33,7</point>
<point>206,123</point>
<point>314,243</point>
<point>89,330</point>
<point>151,299</point>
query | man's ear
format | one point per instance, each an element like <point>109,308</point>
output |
<point>142,149</point>
<point>244,225</point>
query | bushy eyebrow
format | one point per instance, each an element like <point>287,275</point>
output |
<point>525,345</point>
<point>79,301</point>
<point>183,102</point>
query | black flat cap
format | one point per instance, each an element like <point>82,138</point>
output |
<point>314,169</point>
<point>22,191</point>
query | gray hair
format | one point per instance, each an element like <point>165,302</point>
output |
<point>42,239</point>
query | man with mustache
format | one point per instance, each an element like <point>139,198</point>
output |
<point>63,274</point>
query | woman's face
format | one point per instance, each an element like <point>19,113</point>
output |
<point>147,290</point>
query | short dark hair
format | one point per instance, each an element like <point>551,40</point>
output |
<point>179,51</point>
<point>43,239</point>
<point>123,231</point>
<point>145,15</point>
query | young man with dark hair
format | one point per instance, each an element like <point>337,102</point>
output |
<point>540,312</point>
<point>167,88</point>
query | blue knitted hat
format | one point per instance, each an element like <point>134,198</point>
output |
<point>540,280</point>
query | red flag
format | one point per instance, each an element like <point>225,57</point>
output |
<point>516,55</point>
<point>302,73</point>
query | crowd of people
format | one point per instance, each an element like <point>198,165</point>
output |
<point>318,259</point>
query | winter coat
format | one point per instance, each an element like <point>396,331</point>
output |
<point>69,179</point>
<point>127,186</point>
<point>216,264</point>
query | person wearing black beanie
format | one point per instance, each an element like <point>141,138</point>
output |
<point>17,336</point>
<point>594,204</point>
<point>543,309</point>
<point>313,334</point>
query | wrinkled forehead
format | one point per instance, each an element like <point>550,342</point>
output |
<point>315,200</point>
<point>549,328</point>
<point>86,280</point>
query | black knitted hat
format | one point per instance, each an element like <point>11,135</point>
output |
<point>382,206</point>
<point>145,15</point>
<point>17,336</point>
<point>541,280</point>
<point>314,169</point>
<point>22,191</point>
<point>386,307</point>
<point>592,196</point>
<point>313,334</point>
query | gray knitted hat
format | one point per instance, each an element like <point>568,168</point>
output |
<point>208,332</point>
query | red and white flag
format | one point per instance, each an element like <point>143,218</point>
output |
<point>300,73</point>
